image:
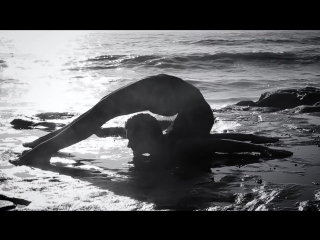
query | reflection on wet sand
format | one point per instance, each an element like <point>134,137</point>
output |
<point>98,174</point>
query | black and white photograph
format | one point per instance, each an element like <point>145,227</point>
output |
<point>160,120</point>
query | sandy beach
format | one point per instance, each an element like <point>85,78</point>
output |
<point>49,78</point>
<point>96,174</point>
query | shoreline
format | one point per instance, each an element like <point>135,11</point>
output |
<point>96,174</point>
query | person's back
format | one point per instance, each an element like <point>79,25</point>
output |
<point>161,94</point>
<point>195,117</point>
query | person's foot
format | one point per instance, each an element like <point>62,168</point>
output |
<point>30,144</point>
<point>32,158</point>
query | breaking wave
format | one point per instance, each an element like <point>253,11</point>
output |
<point>191,61</point>
<point>242,41</point>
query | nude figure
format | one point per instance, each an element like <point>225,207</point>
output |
<point>160,94</point>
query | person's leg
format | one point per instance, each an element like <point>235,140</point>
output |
<point>195,121</point>
<point>55,133</point>
<point>50,135</point>
<point>77,131</point>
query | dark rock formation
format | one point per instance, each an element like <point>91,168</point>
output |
<point>247,103</point>
<point>288,98</point>
<point>21,124</point>
<point>310,109</point>
<point>8,203</point>
<point>25,124</point>
<point>40,121</point>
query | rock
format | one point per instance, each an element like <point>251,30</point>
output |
<point>259,181</point>
<point>25,124</point>
<point>6,205</point>
<point>288,98</point>
<point>316,104</point>
<point>21,124</point>
<point>310,109</point>
<point>14,200</point>
<point>54,180</point>
<point>312,88</point>
<point>309,205</point>
<point>29,179</point>
<point>280,100</point>
<point>246,103</point>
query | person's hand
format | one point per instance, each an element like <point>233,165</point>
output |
<point>100,133</point>
<point>139,159</point>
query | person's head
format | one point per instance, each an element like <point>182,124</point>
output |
<point>144,134</point>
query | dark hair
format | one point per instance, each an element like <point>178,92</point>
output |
<point>144,122</point>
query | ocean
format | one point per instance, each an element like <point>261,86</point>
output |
<point>70,71</point>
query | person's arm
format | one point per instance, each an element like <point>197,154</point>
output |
<point>50,135</point>
<point>244,137</point>
<point>208,147</point>
<point>120,131</point>
<point>112,131</point>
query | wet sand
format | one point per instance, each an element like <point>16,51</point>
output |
<point>97,174</point>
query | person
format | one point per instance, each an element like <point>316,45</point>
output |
<point>145,135</point>
<point>160,94</point>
